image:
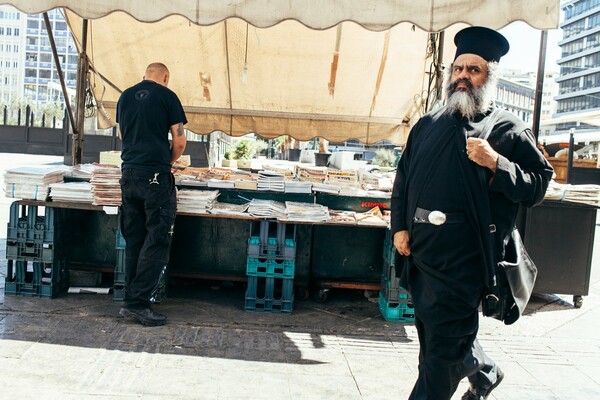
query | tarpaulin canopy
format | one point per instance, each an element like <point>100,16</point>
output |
<point>274,75</point>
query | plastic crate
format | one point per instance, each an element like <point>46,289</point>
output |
<point>389,251</point>
<point>26,225</point>
<point>267,230</point>
<point>118,292</point>
<point>392,291</point>
<point>270,267</point>
<point>274,295</point>
<point>31,251</point>
<point>35,279</point>
<point>402,311</point>
<point>120,239</point>
<point>119,277</point>
<point>271,249</point>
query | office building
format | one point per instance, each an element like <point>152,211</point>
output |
<point>27,68</point>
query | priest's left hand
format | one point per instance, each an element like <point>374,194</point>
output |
<point>480,152</point>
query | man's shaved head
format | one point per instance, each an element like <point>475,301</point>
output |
<point>157,72</point>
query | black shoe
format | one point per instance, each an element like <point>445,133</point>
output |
<point>477,393</point>
<point>145,316</point>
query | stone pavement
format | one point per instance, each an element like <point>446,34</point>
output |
<point>76,347</point>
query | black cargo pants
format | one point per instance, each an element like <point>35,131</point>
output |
<point>147,219</point>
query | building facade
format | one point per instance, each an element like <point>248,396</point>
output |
<point>579,79</point>
<point>27,68</point>
<point>516,97</point>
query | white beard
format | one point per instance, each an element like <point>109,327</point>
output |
<point>469,104</point>
<point>464,103</point>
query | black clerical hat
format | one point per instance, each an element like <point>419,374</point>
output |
<point>486,43</point>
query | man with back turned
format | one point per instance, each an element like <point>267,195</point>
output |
<point>146,113</point>
<point>451,225</point>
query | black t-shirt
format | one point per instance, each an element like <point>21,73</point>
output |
<point>145,112</point>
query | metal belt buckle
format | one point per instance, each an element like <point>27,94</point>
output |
<point>436,217</point>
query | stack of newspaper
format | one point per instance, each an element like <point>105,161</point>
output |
<point>305,212</point>
<point>31,182</point>
<point>271,181</point>
<point>267,208</point>
<point>342,217</point>
<point>105,186</point>
<point>325,188</point>
<point>584,194</point>
<point>372,217</point>
<point>80,192</point>
<point>196,201</point>
<point>229,209</point>
<point>221,184</point>
<point>298,186</point>
<point>311,174</point>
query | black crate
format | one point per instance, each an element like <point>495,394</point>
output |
<point>274,295</point>
<point>35,279</point>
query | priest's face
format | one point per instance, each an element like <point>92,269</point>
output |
<point>469,88</point>
<point>469,71</point>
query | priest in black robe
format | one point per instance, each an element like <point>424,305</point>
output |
<point>454,204</point>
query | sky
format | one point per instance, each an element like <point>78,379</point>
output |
<point>525,46</point>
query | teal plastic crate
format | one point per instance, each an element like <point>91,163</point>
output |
<point>119,277</point>
<point>31,251</point>
<point>25,225</point>
<point>273,295</point>
<point>270,267</point>
<point>402,311</point>
<point>35,279</point>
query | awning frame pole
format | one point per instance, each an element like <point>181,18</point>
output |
<point>59,68</point>
<point>82,72</point>
<point>539,87</point>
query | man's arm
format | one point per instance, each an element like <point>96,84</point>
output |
<point>179,142</point>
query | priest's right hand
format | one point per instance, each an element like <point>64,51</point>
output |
<point>401,239</point>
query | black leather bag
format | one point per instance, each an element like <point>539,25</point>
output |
<point>514,281</point>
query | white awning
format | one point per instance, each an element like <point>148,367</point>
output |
<point>340,82</point>
<point>429,15</point>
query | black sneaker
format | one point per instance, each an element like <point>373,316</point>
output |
<point>145,316</point>
<point>477,393</point>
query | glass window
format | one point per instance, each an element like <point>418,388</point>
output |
<point>33,24</point>
<point>45,73</point>
<point>46,57</point>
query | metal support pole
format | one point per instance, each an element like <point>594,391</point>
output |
<point>539,87</point>
<point>59,68</point>
<point>570,158</point>
<point>82,71</point>
<point>439,71</point>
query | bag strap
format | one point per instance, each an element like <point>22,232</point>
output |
<point>489,124</point>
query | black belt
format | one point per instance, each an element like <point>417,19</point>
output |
<point>423,216</point>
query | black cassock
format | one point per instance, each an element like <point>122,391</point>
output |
<point>450,264</point>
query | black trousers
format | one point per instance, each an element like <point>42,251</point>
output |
<point>444,361</point>
<point>147,218</point>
